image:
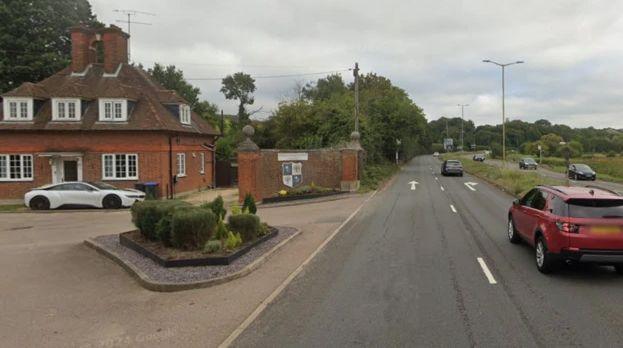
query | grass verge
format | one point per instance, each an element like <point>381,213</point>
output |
<point>8,208</point>
<point>375,174</point>
<point>517,183</point>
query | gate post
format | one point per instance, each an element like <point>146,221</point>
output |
<point>248,166</point>
<point>350,164</point>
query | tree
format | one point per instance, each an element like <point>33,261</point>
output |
<point>34,40</point>
<point>324,88</point>
<point>172,78</point>
<point>240,87</point>
<point>552,141</point>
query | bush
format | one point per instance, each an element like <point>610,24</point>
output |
<point>192,227</point>
<point>249,204</point>
<point>163,230</point>
<point>264,230</point>
<point>234,240</point>
<point>212,246</point>
<point>217,206</point>
<point>248,225</point>
<point>147,214</point>
<point>235,210</point>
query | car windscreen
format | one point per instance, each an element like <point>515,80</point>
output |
<point>103,186</point>
<point>583,167</point>
<point>595,208</point>
<point>529,160</point>
<point>453,163</point>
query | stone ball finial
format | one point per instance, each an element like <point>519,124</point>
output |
<point>355,136</point>
<point>248,131</point>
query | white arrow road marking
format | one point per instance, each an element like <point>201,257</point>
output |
<point>413,183</point>
<point>470,185</point>
<point>486,270</point>
<point>453,208</point>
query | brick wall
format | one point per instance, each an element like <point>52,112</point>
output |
<point>152,149</point>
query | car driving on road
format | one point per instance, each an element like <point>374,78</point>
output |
<point>581,172</point>
<point>452,167</point>
<point>527,163</point>
<point>85,194</point>
<point>479,157</point>
<point>583,224</point>
<point>435,154</point>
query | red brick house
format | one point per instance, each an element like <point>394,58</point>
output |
<point>102,121</point>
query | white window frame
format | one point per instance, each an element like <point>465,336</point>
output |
<point>202,163</point>
<point>5,167</point>
<point>65,102</point>
<point>185,114</point>
<point>117,110</point>
<point>18,104</point>
<point>181,164</point>
<point>112,173</point>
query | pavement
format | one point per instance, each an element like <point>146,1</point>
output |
<point>57,292</point>
<point>433,267</point>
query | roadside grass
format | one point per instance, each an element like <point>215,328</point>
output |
<point>375,174</point>
<point>512,181</point>
<point>8,208</point>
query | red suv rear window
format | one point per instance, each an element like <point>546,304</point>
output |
<point>595,208</point>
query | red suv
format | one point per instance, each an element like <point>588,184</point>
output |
<point>582,224</point>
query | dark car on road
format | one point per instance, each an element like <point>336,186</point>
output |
<point>581,172</point>
<point>451,167</point>
<point>527,163</point>
<point>479,157</point>
<point>580,224</point>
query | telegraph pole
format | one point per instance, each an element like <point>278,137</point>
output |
<point>356,75</point>
<point>462,110</point>
<point>129,21</point>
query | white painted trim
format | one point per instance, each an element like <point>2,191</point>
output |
<point>66,101</point>
<point>184,114</point>
<point>84,73</point>
<point>113,101</point>
<point>21,160</point>
<point>180,173</point>
<point>114,167</point>
<point>7,109</point>
<point>115,74</point>
<point>202,165</point>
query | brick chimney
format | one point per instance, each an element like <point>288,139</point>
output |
<point>81,52</point>
<point>115,43</point>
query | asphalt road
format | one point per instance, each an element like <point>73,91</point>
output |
<point>405,272</point>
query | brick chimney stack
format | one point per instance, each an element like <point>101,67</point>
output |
<point>115,47</point>
<point>82,53</point>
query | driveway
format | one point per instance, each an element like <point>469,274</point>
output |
<point>57,292</point>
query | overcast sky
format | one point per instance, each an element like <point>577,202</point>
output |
<point>573,51</point>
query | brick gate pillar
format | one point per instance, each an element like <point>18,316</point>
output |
<point>351,156</point>
<point>248,166</point>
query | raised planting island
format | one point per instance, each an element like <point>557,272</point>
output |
<point>178,234</point>
<point>302,192</point>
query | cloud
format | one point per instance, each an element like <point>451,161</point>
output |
<point>432,49</point>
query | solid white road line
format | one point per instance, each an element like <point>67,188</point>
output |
<point>442,189</point>
<point>262,306</point>
<point>486,271</point>
<point>453,208</point>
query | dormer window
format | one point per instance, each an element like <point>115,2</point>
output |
<point>18,109</point>
<point>113,110</point>
<point>184,114</point>
<point>66,109</point>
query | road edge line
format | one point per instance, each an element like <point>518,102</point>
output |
<point>264,304</point>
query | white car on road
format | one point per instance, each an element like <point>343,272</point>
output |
<point>91,194</point>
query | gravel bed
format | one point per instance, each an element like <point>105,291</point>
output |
<point>182,275</point>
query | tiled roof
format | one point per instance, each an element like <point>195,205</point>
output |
<point>148,112</point>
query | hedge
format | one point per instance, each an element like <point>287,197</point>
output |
<point>192,227</point>
<point>147,214</point>
<point>248,225</point>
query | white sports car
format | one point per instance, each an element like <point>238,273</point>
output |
<point>93,194</point>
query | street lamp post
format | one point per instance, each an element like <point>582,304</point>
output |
<point>462,106</point>
<point>503,66</point>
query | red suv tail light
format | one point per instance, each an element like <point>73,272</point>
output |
<point>567,227</point>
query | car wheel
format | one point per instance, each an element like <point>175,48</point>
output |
<point>111,202</point>
<point>39,203</point>
<point>513,237</point>
<point>545,261</point>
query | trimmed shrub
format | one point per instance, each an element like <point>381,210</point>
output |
<point>147,214</point>
<point>163,230</point>
<point>212,246</point>
<point>233,241</point>
<point>248,225</point>
<point>192,227</point>
<point>217,206</point>
<point>235,210</point>
<point>264,230</point>
<point>249,204</point>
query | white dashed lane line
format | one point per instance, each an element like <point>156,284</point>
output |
<point>486,271</point>
<point>453,208</point>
